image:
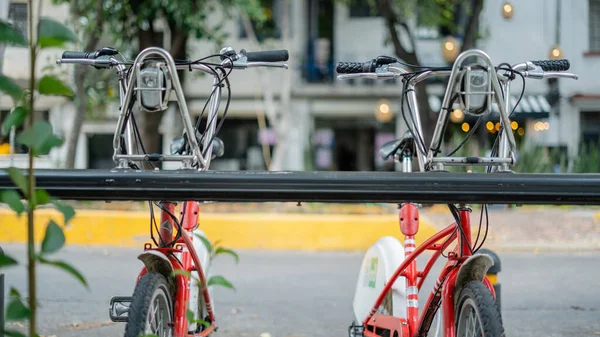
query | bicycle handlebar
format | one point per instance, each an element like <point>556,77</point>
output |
<point>242,60</point>
<point>533,69</point>
<point>281,55</point>
<point>364,67</point>
<point>553,65</point>
<point>78,55</point>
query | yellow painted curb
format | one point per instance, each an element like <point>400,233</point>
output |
<point>234,230</point>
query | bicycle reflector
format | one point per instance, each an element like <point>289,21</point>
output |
<point>154,86</point>
<point>476,90</point>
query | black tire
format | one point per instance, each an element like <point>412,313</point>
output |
<point>152,291</point>
<point>475,301</point>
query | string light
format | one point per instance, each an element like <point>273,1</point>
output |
<point>457,116</point>
<point>507,10</point>
<point>383,111</point>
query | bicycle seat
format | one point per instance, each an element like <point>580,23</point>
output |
<point>390,148</point>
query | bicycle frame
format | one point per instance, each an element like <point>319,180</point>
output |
<point>461,265</point>
<point>444,290</point>
<point>171,256</point>
<point>183,256</point>
<point>187,260</point>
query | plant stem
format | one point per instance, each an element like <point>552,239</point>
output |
<point>31,185</point>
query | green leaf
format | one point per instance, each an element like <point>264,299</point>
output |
<point>203,322</point>
<point>6,261</point>
<point>16,310</point>
<point>54,33</point>
<point>41,197</point>
<point>221,250</point>
<point>205,242</point>
<point>54,238</point>
<point>9,87</point>
<point>67,211</point>
<point>18,178</point>
<point>12,333</point>
<point>15,118</point>
<point>190,315</point>
<point>66,267</point>
<point>220,280</point>
<point>39,138</point>
<point>13,199</point>
<point>10,35</point>
<point>51,85</point>
<point>14,293</point>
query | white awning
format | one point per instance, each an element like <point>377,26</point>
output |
<point>533,105</point>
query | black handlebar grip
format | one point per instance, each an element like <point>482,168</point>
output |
<point>78,55</point>
<point>268,56</point>
<point>553,65</point>
<point>355,67</point>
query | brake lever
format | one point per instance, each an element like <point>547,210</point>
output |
<point>374,76</point>
<point>555,74</point>
<point>266,64</point>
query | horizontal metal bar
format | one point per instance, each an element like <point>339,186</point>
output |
<point>162,157</point>
<point>351,187</point>
<point>468,161</point>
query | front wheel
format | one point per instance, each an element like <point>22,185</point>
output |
<point>151,309</point>
<point>476,313</point>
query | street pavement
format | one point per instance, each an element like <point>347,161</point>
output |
<point>301,294</point>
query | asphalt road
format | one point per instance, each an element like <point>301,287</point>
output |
<point>304,294</point>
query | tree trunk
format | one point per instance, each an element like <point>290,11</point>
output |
<point>470,36</point>
<point>80,75</point>
<point>80,110</point>
<point>277,114</point>
<point>428,117</point>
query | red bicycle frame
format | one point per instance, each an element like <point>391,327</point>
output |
<point>189,262</point>
<point>443,291</point>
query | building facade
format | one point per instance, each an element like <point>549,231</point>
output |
<point>332,124</point>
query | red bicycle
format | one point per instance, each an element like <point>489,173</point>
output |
<point>386,301</point>
<point>171,296</point>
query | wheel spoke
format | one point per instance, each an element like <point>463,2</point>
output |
<point>473,323</point>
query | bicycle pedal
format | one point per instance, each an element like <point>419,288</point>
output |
<point>356,330</point>
<point>119,308</point>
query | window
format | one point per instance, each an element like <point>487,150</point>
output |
<point>590,126</point>
<point>361,9</point>
<point>17,15</point>
<point>594,25</point>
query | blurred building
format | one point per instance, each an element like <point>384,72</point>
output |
<point>332,123</point>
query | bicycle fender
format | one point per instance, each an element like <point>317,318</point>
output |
<point>473,269</point>
<point>155,261</point>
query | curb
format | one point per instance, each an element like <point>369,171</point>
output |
<point>265,231</point>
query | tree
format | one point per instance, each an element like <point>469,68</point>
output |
<point>89,17</point>
<point>442,13</point>
<point>277,114</point>
<point>134,26</point>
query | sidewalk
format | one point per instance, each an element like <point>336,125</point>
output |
<point>532,228</point>
<point>313,226</point>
